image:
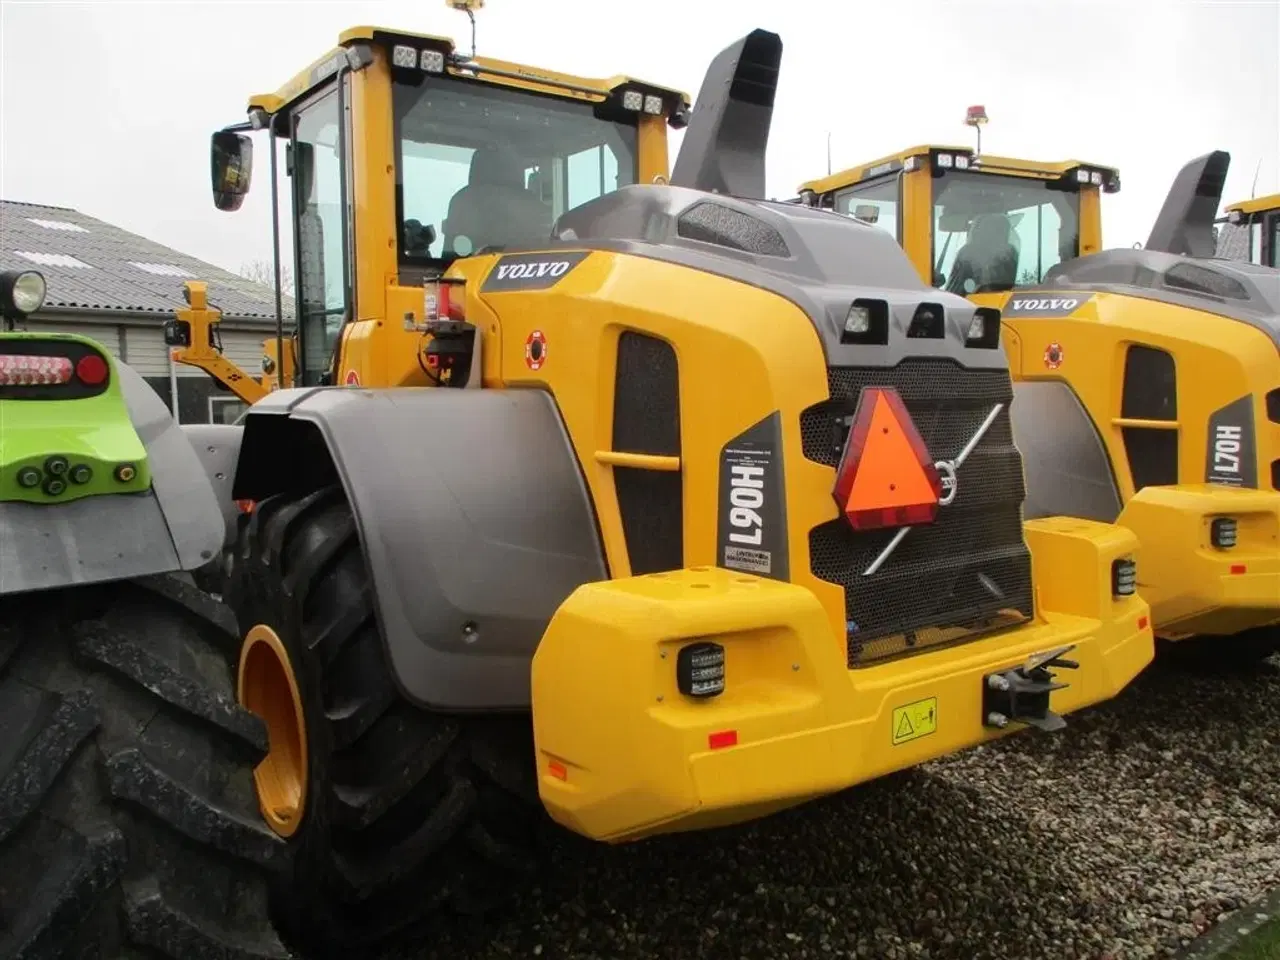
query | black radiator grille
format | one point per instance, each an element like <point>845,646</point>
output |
<point>969,572</point>
<point>646,419</point>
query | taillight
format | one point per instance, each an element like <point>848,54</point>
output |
<point>91,369</point>
<point>51,370</point>
<point>24,370</point>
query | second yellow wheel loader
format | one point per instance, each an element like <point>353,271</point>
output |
<point>1147,381</point>
<point>652,507</point>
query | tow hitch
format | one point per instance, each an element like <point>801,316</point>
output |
<point>1021,694</point>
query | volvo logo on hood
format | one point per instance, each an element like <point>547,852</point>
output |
<point>1045,305</point>
<point>531,271</point>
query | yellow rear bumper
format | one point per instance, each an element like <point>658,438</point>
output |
<point>1193,587</point>
<point>623,754</point>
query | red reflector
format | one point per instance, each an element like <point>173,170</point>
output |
<point>246,506</point>
<point>1142,623</point>
<point>886,477</point>
<point>722,739</point>
<point>21,370</point>
<point>558,770</point>
<point>1238,568</point>
<point>91,369</point>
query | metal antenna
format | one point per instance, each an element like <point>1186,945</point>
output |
<point>828,153</point>
<point>976,117</point>
<point>1253,191</point>
<point>469,7</point>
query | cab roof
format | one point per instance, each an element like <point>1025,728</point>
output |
<point>1011,166</point>
<point>509,74</point>
<point>1257,205</point>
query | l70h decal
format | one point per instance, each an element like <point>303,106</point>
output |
<point>1232,455</point>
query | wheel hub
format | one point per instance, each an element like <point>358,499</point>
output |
<point>267,686</point>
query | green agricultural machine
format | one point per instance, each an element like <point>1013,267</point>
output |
<point>128,819</point>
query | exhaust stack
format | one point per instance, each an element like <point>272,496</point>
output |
<point>1185,223</point>
<point>724,144</point>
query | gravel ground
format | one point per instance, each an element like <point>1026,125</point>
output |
<point>1122,837</point>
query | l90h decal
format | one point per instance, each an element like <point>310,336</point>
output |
<point>531,271</point>
<point>751,531</point>
<point>1232,455</point>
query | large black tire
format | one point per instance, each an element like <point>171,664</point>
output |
<point>408,815</point>
<point>128,820</point>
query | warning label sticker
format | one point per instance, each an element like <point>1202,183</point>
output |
<point>915,720</point>
<point>751,561</point>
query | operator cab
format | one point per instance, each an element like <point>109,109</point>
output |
<point>481,155</point>
<point>973,223</point>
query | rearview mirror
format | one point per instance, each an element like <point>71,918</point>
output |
<point>953,222</point>
<point>231,167</point>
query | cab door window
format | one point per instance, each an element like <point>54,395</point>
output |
<point>875,203</point>
<point>318,169</point>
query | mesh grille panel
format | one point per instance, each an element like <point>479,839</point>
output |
<point>966,574</point>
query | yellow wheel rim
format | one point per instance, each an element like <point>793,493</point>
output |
<point>266,685</point>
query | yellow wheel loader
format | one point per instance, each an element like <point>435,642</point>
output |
<point>1148,380</point>
<point>1250,231</point>
<point>647,506</point>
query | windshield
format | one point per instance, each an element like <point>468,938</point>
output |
<point>993,232</point>
<point>482,168</point>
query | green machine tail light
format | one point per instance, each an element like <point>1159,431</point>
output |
<point>52,368</point>
<point>67,430</point>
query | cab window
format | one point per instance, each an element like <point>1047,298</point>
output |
<point>482,168</point>
<point>993,232</point>
<point>875,203</point>
<point>317,195</point>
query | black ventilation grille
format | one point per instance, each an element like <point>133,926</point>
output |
<point>1195,279</point>
<point>1273,405</point>
<point>1150,385</point>
<point>1152,454</point>
<point>968,573</point>
<point>646,419</point>
<point>726,227</point>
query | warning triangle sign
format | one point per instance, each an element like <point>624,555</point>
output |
<point>886,476</point>
<point>904,728</point>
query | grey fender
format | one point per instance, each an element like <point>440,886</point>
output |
<point>473,516</point>
<point>218,447</point>
<point>1068,470</point>
<point>176,525</point>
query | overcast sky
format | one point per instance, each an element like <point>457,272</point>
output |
<point>107,106</point>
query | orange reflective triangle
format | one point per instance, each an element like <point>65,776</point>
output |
<point>886,476</point>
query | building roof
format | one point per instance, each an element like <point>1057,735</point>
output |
<point>94,267</point>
